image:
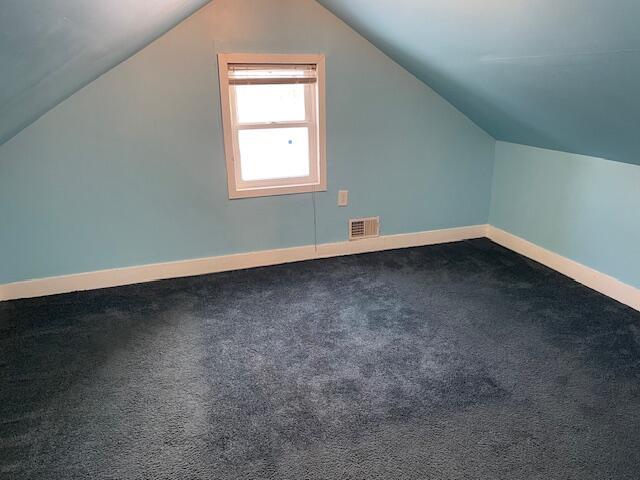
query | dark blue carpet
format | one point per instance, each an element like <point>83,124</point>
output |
<point>457,361</point>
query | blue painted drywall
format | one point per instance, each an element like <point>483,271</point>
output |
<point>584,208</point>
<point>130,170</point>
<point>556,74</point>
<point>49,49</point>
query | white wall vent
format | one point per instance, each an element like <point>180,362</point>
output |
<point>364,228</point>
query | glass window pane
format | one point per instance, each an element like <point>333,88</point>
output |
<point>270,103</point>
<point>271,153</point>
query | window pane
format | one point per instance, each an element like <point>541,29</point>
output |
<point>274,153</point>
<point>270,103</point>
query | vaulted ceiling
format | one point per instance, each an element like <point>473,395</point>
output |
<point>51,48</point>
<point>556,74</point>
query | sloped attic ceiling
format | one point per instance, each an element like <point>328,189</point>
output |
<point>51,48</point>
<point>563,75</point>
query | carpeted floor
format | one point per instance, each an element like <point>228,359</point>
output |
<point>457,361</point>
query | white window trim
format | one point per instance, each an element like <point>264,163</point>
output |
<point>237,188</point>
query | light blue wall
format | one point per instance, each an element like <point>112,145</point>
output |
<point>130,170</point>
<point>584,208</point>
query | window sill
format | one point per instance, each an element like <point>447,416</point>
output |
<point>272,191</point>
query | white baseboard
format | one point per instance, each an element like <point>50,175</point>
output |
<point>187,268</point>
<point>598,281</point>
<point>589,277</point>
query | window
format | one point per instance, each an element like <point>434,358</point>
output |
<point>273,120</point>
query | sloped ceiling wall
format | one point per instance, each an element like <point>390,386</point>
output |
<point>563,75</point>
<point>51,48</point>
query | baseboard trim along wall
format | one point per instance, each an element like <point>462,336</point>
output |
<point>187,268</point>
<point>598,281</point>
<point>589,277</point>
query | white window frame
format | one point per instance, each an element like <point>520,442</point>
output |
<point>315,121</point>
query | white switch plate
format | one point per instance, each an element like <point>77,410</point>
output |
<point>343,198</point>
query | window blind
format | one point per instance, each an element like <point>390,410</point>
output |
<point>256,74</point>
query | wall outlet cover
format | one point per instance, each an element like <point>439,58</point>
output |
<point>343,198</point>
